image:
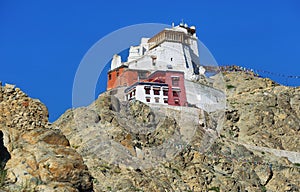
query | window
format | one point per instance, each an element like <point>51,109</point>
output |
<point>117,73</point>
<point>109,76</point>
<point>175,81</point>
<point>153,60</point>
<point>156,99</point>
<point>147,90</point>
<point>165,92</point>
<point>176,93</point>
<point>171,59</point>
<point>156,92</point>
<point>148,99</point>
<point>142,74</point>
<point>177,102</point>
<point>165,100</point>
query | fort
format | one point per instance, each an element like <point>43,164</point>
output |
<point>164,69</point>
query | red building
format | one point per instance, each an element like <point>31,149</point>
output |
<point>161,87</point>
<point>169,83</point>
<point>122,76</point>
<point>175,82</point>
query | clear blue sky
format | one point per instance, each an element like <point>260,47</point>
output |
<point>43,42</point>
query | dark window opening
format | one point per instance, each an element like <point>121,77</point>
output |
<point>156,92</point>
<point>176,93</point>
<point>147,90</point>
<point>132,94</point>
<point>118,74</point>
<point>171,59</point>
<point>109,76</point>
<point>165,100</point>
<point>177,102</point>
<point>196,68</point>
<point>165,92</point>
<point>186,62</point>
<point>148,99</point>
<point>153,61</point>
<point>169,67</point>
<point>156,99</point>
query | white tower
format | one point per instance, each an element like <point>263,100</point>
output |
<point>116,62</point>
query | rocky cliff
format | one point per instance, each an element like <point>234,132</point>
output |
<point>129,146</point>
<point>262,113</point>
<point>35,156</point>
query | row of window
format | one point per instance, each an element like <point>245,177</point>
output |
<point>109,75</point>
<point>156,99</point>
<point>165,92</point>
<point>131,95</point>
<point>141,75</point>
<point>175,95</point>
<point>156,91</point>
<point>168,66</point>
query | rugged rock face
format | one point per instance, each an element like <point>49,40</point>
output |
<point>262,113</point>
<point>35,156</point>
<point>126,145</point>
<point>129,146</point>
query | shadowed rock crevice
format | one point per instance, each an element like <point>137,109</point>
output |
<point>4,154</point>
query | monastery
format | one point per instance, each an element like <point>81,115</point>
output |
<point>161,69</point>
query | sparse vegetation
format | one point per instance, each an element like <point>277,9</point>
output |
<point>95,181</point>
<point>230,86</point>
<point>297,164</point>
<point>3,173</point>
<point>133,188</point>
<point>176,171</point>
<point>104,168</point>
<point>117,170</point>
<point>217,189</point>
<point>263,188</point>
<point>75,146</point>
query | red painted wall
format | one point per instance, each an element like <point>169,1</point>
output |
<point>166,77</point>
<point>126,77</point>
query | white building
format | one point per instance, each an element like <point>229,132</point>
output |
<point>172,49</point>
<point>148,92</point>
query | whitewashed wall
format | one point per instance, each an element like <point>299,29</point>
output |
<point>141,95</point>
<point>204,97</point>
